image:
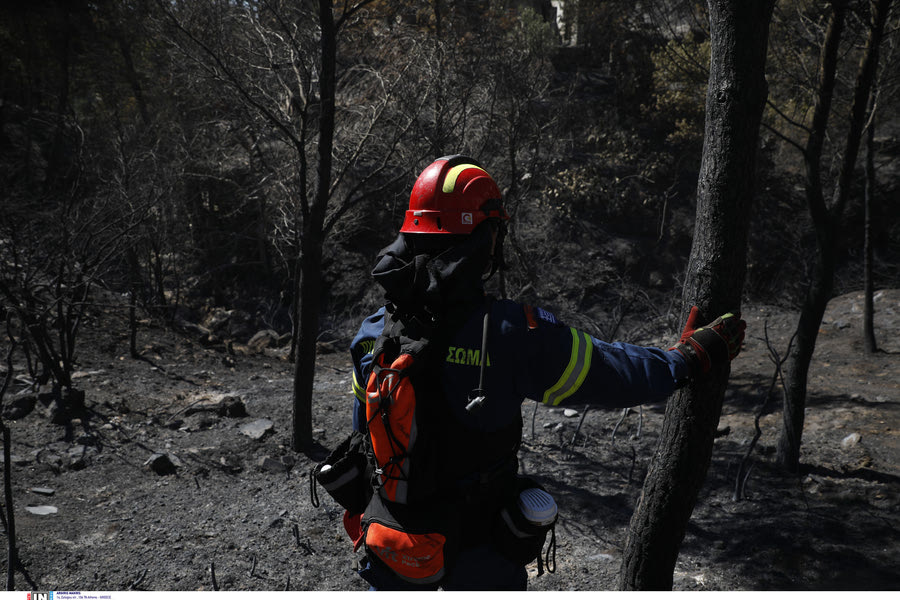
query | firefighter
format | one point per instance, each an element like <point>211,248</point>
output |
<point>450,242</point>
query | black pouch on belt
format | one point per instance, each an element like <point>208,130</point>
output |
<point>523,524</point>
<point>344,475</point>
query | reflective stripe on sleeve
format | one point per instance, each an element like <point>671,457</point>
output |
<point>358,390</point>
<point>576,370</point>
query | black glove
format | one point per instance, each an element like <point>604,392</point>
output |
<point>713,344</point>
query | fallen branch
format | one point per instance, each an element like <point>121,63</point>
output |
<point>307,549</point>
<point>633,463</point>
<point>625,412</point>
<point>580,421</point>
<point>139,580</point>
<point>533,417</point>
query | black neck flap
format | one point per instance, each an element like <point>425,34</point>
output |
<point>435,287</point>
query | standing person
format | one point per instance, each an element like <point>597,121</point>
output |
<point>491,355</point>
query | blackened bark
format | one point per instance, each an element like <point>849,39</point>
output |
<point>437,19</point>
<point>133,80</point>
<point>134,285</point>
<point>827,220</point>
<point>870,344</point>
<point>310,289</point>
<point>61,43</point>
<point>9,517</point>
<point>734,104</point>
<point>797,366</point>
<point>12,553</point>
<point>310,292</point>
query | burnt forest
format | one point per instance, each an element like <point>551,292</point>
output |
<point>193,196</point>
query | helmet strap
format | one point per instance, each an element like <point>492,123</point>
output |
<point>495,261</point>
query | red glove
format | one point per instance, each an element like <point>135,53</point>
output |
<point>713,344</point>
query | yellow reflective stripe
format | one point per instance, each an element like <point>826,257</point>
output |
<point>358,390</point>
<point>453,174</point>
<point>576,370</point>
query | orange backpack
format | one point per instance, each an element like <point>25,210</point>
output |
<point>404,470</point>
<point>407,525</point>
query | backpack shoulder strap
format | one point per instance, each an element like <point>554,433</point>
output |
<point>412,333</point>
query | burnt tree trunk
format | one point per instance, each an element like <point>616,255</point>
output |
<point>12,552</point>
<point>869,342</point>
<point>827,222</point>
<point>131,76</point>
<point>734,103</point>
<point>797,367</point>
<point>134,286</point>
<point>310,289</point>
<point>8,514</point>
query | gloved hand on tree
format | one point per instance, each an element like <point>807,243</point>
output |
<point>713,344</point>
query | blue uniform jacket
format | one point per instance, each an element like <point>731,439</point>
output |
<point>530,354</point>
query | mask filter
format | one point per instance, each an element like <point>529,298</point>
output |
<point>537,506</point>
<point>523,526</point>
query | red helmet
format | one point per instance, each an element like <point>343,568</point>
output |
<point>453,195</point>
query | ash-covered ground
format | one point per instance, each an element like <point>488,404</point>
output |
<point>180,474</point>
